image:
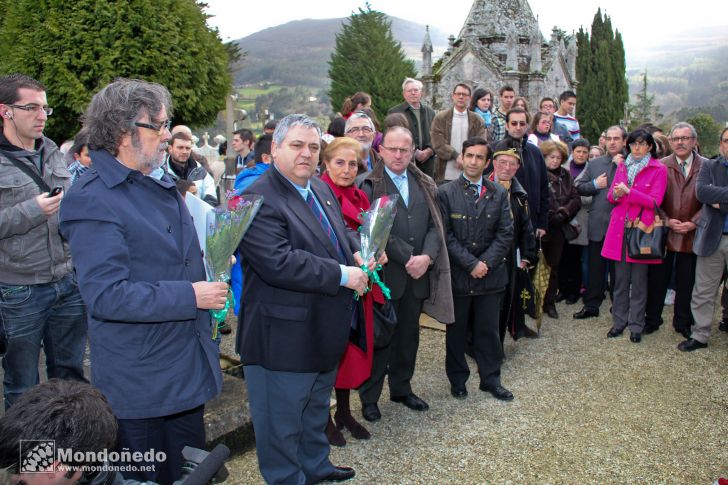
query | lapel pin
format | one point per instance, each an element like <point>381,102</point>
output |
<point>328,202</point>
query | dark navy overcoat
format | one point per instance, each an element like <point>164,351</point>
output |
<point>136,256</point>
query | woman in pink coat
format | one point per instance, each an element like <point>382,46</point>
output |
<point>639,184</point>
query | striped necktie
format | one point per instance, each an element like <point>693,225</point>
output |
<point>477,193</point>
<point>326,226</point>
<point>353,321</point>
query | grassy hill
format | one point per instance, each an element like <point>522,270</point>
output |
<point>687,72</point>
<point>271,58</point>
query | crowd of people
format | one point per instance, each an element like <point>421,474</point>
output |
<point>101,247</point>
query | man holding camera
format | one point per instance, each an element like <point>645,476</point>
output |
<point>39,298</point>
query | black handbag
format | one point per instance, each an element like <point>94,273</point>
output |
<point>647,242</point>
<point>571,230</point>
<point>385,321</point>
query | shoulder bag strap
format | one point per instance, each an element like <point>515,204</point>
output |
<point>27,171</point>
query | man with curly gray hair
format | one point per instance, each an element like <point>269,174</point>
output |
<point>141,275</point>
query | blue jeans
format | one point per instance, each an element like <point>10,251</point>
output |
<point>51,314</point>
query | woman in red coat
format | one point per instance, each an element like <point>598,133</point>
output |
<point>341,161</point>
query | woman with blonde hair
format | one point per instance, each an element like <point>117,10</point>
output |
<point>342,158</point>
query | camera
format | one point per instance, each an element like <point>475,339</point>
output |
<point>200,468</point>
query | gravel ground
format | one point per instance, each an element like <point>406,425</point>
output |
<point>588,410</point>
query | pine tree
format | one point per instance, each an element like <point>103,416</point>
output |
<point>600,71</point>
<point>367,58</point>
<point>644,110</point>
<point>75,48</point>
<point>708,133</point>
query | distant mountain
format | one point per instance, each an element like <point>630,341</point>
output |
<point>689,70</point>
<point>297,53</point>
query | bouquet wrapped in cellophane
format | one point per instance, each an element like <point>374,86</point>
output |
<point>226,226</point>
<point>376,224</point>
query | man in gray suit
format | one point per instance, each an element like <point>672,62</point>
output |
<point>415,246</point>
<point>594,181</point>
<point>711,244</point>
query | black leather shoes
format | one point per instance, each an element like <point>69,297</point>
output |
<point>635,337</point>
<point>551,312</point>
<point>459,392</point>
<point>498,392</point>
<point>585,313</point>
<point>685,332</point>
<point>572,300</point>
<point>613,332</point>
<point>723,327</point>
<point>650,329</point>
<point>370,412</point>
<point>411,401</point>
<point>340,474</point>
<point>690,344</point>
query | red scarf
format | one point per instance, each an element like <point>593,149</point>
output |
<point>353,201</point>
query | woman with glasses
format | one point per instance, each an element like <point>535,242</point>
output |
<point>564,203</point>
<point>638,187</point>
<point>541,129</point>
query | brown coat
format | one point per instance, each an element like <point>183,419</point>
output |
<point>439,304</point>
<point>680,201</point>
<point>440,137</point>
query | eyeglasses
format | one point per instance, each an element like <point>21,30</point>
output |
<point>636,144</point>
<point>401,151</point>
<point>517,123</point>
<point>507,163</point>
<point>33,108</point>
<point>459,94</point>
<point>160,128</point>
<point>359,129</point>
<point>681,139</point>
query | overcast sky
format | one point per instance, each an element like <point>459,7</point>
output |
<point>642,23</point>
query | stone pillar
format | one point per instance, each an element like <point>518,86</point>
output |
<point>228,180</point>
<point>511,52</point>
<point>536,62</point>
<point>427,53</point>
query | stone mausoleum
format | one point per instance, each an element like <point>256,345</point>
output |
<point>501,43</point>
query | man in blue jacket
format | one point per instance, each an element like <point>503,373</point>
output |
<point>141,275</point>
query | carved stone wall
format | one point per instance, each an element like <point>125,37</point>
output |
<point>501,43</point>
